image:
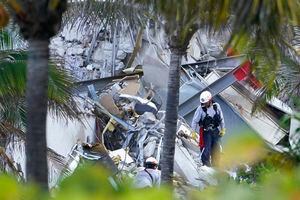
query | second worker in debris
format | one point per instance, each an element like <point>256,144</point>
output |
<point>149,176</point>
<point>208,120</point>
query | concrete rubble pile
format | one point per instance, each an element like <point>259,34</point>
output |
<point>130,129</point>
<point>89,52</point>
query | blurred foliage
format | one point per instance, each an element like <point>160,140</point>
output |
<point>244,148</point>
<point>4,16</point>
<point>88,182</point>
<point>274,176</point>
<point>274,162</point>
<point>274,185</point>
<point>105,13</point>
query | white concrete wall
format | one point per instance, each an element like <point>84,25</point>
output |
<point>62,135</point>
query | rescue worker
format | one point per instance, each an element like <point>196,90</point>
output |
<point>149,176</point>
<point>208,120</point>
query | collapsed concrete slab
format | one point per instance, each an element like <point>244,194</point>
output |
<point>185,166</point>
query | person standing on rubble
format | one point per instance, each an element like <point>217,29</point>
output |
<point>149,176</point>
<point>208,120</point>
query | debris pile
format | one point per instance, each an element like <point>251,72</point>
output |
<point>131,123</point>
<point>90,51</point>
<point>130,128</point>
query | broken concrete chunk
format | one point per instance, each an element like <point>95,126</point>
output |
<point>121,55</point>
<point>161,115</point>
<point>147,118</point>
<point>186,166</point>
<point>184,130</point>
<point>115,88</point>
<point>191,145</point>
<point>128,107</point>
<point>122,155</point>
<point>207,175</point>
<point>130,87</point>
<point>89,67</point>
<point>129,168</point>
<point>149,149</point>
<point>141,105</point>
<point>141,139</point>
<point>106,100</point>
<point>129,70</point>
<point>120,66</point>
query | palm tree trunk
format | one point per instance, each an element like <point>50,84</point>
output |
<point>2,146</point>
<point>167,161</point>
<point>36,101</point>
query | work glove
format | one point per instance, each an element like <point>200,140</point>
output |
<point>194,135</point>
<point>222,132</point>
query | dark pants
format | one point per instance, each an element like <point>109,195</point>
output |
<point>211,148</point>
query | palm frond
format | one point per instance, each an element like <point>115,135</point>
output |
<point>105,13</point>
<point>61,100</point>
<point>9,163</point>
<point>265,24</point>
<point>180,19</point>
<point>289,77</point>
<point>266,16</point>
<point>6,129</point>
<point>10,40</point>
<point>280,75</point>
<point>261,29</point>
<point>13,83</point>
<point>296,39</point>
